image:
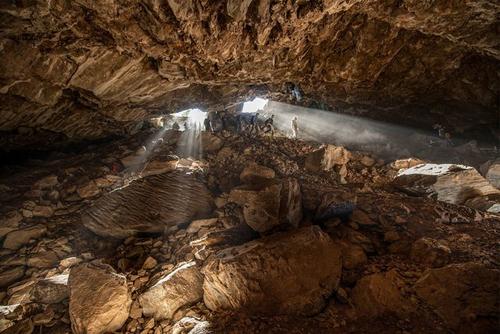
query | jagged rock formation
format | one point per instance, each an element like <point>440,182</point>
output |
<point>87,69</point>
<point>143,207</point>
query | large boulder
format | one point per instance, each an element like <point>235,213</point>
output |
<point>149,205</point>
<point>378,294</point>
<point>99,299</point>
<point>260,203</point>
<point>448,183</point>
<point>181,287</point>
<point>288,273</point>
<point>465,295</point>
<point>269,203</point>
<point>327,157</point>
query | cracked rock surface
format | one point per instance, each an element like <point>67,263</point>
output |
<point>86,70</point>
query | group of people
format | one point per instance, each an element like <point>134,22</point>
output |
<point>249,123</point>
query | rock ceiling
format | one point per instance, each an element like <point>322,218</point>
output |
<point>88,69</point>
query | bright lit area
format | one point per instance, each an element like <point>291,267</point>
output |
<point>255,105</point>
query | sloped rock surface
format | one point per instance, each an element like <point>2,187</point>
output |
<point>377,294</point>
<point>181,287</point>
<point>99,300</point>
<point>51,290</point>
<point>171,199</point>
<point>275,275</point>
<point>450,183</point>
<point>464,295</point>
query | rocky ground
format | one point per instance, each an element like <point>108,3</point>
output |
<point>255,235</point>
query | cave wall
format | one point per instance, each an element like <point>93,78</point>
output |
<point>89,69</point>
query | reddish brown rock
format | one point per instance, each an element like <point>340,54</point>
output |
<point>288,273</point>
<point>465,295</point>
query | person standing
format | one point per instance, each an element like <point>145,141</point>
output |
<point>295,127</point>
<point>269,125</point>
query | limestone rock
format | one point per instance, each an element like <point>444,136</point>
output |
<point>183,286</point>
<point>171,198</point>
<point>287,273</point>
<point>149,263</point>
<point>431,252</point>
<point>449,183</point>
<point>492,173</point>
<point>51,290</point>
<point>10,222</point>
<point>46,259</point>
<point>261,204</point>
<point>47,182</point>
<point>353,256</point>
<point>196,225</point>
<point>406,163</point>
<point>99,300</point>
<point>43,211</point>
<point>10,275</point>
<point>156,167</point>
<point>377,294</point>
<point>326,157</point>
<point>16,239</point>
<point>255,173</point>
<point>88,190</point>
<point>367,161</point>
<point>465,295</point>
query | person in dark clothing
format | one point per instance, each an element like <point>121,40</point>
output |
<point>269,125</point>
<point>208,125</point>
<point>254,126</point>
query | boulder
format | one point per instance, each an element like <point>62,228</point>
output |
<point>431,252</point>
<point>44,211</point>
<point>171,199</point>
<point>255,173</point>
<point>260,203</point>
<point>353,256</point>
<point>46,182</point>
<point>156,167</point>
<point>16,239</point>
<point>367,161</point>
<point>88,190</point>
<point>378,294</point>
<point>99,299</point>
<point>51,290</point>
<point>491,171</point>
<point>287,273</point>
<point>10,222</point>
<point>406,163</point>
<point>269,203</point>
<point>182,287</point>
<point>43,259</point>
<point>464,295</point>
<point>10,275</point>
<point>326,157</point>
<point>448,183</point>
